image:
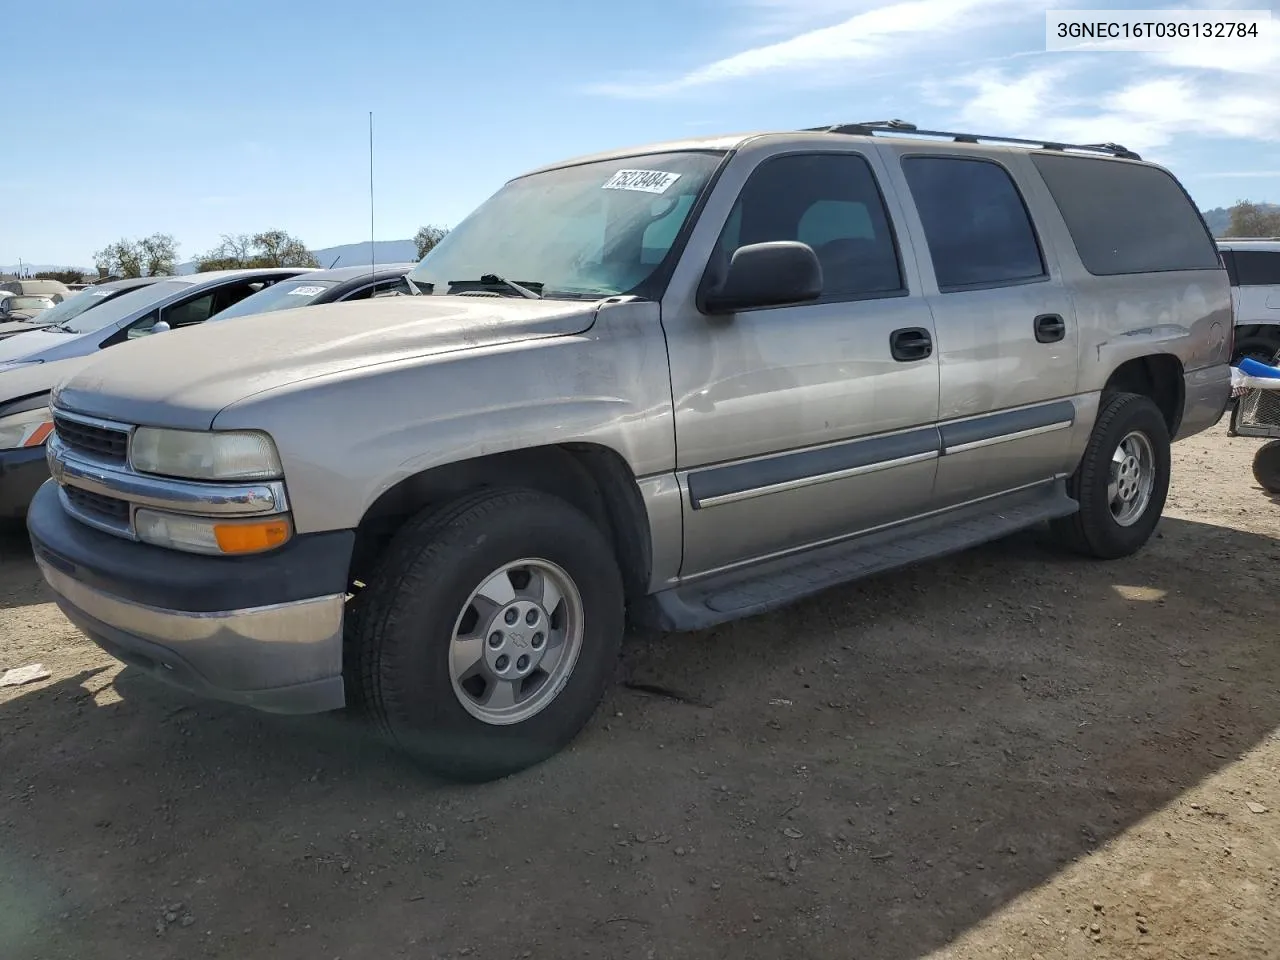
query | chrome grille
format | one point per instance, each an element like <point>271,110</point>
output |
<point>101,443</point>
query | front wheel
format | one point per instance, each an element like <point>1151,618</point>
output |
<point>489,632</point>
<point>1122,480</point>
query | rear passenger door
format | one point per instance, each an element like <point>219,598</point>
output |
<point>797,424</point>
<point>1007,338</point>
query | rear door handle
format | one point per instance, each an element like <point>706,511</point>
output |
<point>910,343</point>
<point>1050,328</point>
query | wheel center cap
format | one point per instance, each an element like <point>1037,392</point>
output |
<point>516,639</point>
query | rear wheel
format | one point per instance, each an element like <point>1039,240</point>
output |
<point>487,636</point>
<point>1266,467</point>
<point>1122,480</point>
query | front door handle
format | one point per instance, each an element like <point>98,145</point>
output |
<point>1050,328</point>
<point>910,344</point>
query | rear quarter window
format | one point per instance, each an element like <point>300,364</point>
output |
<point>1127,218</point>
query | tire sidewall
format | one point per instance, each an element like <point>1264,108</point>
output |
<point>422,708</point>
<point>1266,467</point>
<point>1138,414</point>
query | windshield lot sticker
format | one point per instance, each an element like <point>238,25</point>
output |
<point>645,181</point>
<point>305,291</point>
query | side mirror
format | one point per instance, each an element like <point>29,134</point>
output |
<point>160,327</point>
<point>766,275</point>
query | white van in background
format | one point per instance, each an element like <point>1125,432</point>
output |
<point>1254,269</point>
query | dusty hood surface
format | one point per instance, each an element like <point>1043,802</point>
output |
<point>184,377</point>
<point>20,322</point>
<point>32,343</point>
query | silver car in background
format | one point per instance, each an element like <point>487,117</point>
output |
<point>73,306</point>
<point>169,304</point>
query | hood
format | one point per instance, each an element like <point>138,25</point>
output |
<point>31,343</point>
<point>185,377</point>
<point>29,379</point>
<point>9,328</point>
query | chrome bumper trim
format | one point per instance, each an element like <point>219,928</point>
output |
<point>246,649</point>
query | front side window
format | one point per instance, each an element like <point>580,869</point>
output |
<point>591,230</point>
<point>975,223</point>
<point>829,201</point>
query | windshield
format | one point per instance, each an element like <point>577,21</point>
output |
<point>595,229</point>
<point>117,308</point>
<point>29,303</point>
<point>75,305</point>
<point>279,296</point>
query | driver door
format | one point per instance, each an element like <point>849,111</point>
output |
<point>798,424</point>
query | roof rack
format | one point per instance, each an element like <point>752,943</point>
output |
<point>873,127</point>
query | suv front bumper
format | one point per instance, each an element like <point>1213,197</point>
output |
<point>262,631</point>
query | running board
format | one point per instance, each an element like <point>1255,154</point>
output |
<point>762,587</point>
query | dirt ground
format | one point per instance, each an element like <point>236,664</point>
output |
<point>1011,753</point>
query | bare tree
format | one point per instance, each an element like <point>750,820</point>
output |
<point>270,248</point>
<point>427,238</point>
<point>156,255</point>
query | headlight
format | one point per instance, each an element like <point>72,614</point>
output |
<point>27,429</point>
<point>218,537</point>
<point>230,455</point>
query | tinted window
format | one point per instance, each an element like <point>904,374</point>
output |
<point>976,225</point>
<point>829,201</point>
<point>1257,268</point>
<point>1127,217</point>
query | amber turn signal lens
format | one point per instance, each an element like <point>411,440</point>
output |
<point>251,537</point>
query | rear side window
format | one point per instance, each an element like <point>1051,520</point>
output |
<point>1257,268</point>
<point>976,225</point>
<point>1127,218</point>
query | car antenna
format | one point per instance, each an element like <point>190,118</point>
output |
<point>335,261</point>
<point>373,250</point>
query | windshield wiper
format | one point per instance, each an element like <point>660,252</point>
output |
<point>493,280</point>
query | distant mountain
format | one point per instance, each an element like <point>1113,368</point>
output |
<point>404,251</point>
<point>1219,218</point>
<point>12,269</point>
<point>351,254</point>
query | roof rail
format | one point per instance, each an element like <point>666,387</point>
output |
<point>873,127</point>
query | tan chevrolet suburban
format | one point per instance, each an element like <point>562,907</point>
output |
<point>687,382</point>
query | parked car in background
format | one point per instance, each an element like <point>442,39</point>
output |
<point>1254,269</point>
<point>20,306</point>
<point>323,286</point>
<point>32,363</point>
<point>55,290</point>
<point>75,305</point>
<point>767,365</point>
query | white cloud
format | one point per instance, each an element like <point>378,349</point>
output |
<point>879,33</point>
<point>1145,110</point>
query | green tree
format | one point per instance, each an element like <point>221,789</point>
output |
<point>153,256</point>
<point>1249,219</point>
<point>270,248</point>
<point>62,276</point>
<point>427,237</point>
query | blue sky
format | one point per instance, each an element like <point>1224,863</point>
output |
<point>199,119</point>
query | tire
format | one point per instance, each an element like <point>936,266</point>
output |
<point>402,651</point>
<point>1096,530</point>
<point>1266,467</point>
